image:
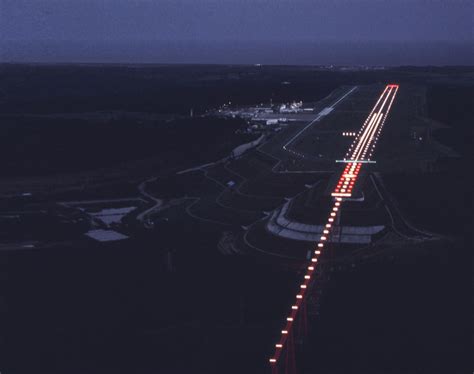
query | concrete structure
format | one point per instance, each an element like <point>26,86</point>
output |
<point>278,224</point>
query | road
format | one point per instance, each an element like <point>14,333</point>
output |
<point>321,114</point>
<point>399,224</point>
<point>158,202</point>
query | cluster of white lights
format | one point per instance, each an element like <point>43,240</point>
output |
<point>375,135</point>
<point>364,142</point>
<point>349,134</point>
<point>368,118</point>
<point>367,137</point>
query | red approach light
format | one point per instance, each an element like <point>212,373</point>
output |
<point>343,189</point>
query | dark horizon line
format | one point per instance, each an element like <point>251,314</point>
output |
<point>163,64</point>
<point>337,41</point>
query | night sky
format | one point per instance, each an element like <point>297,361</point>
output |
<point>115,29</point>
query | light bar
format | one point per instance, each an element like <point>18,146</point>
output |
<point>341,194</point>
<point>358,161</point>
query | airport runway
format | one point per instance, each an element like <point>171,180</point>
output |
<point>362,148</point>
<point>367,137</point>
<point>359,153</point>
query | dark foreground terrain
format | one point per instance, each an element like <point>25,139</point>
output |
<point>166,300</point>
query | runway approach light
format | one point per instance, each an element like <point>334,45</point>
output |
<point>363,144</point>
